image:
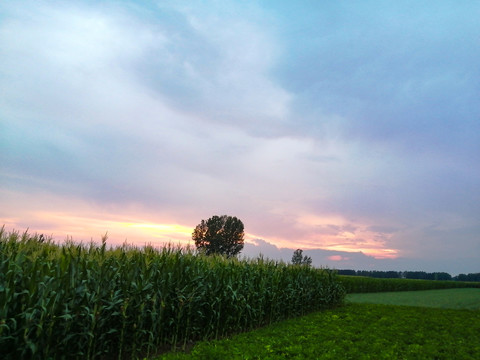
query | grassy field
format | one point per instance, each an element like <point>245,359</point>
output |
<point>445,299</point>
<point>362,284</point>
<point>363,331</point>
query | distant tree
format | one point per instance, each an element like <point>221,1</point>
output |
<point>402,275</point>
<point>473,277</point>
<point>419,275</point>
<point>461,277</point>
<point>219,235</point>
<point>299,259</point>
<point>442,276</point>
<point>349,272</point>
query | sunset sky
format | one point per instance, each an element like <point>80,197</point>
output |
<point>348,129</point>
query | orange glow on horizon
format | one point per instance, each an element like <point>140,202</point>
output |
<point>119,231</point>
<point>309,232</point>
<point>377,253</point>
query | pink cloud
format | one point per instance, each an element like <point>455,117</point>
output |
<point>337,258</point>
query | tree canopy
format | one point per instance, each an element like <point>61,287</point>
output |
<point>220,235</point>
<point>299,259</point>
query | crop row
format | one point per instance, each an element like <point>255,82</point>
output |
<point>359,284</point>
<point>354,331</point>
<point>87,301</point>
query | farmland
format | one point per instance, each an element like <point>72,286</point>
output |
<point>89,301</point>
<point>467,298</point>
<point>359,284</point>
<point>362,331</point>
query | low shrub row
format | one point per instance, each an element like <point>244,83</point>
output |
<point>87,301</point>
<point>359,284</point>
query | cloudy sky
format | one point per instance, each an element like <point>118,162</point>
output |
<point>350,130</point>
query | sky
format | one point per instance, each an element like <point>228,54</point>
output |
<point>350,130</point>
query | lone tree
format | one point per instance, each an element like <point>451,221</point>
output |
<point>299,259</point>
<point>219,235</point>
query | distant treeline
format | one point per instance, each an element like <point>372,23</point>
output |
<point>419,275</point>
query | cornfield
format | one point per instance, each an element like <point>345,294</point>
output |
<point>360,284</point>
<point>87,301</point>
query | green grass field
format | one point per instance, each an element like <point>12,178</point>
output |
<point>445,299</point>
<point>362,284</point>
<point>427,330</point>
